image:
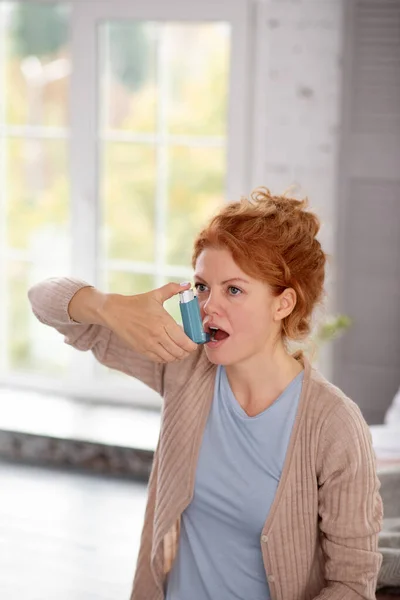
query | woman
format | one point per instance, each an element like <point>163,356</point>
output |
<point>263,482</point>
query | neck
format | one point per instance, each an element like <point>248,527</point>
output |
<point>259,380</point>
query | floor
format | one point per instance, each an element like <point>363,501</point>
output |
<point>66,535</point>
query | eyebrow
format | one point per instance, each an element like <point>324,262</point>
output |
<point>226,281</point>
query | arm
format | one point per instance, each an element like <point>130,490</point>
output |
<point>50,300</point>
<point>350,507</point>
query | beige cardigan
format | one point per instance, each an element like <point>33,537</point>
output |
<point>320,540</point>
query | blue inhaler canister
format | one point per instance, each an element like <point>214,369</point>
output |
<point>191,318</point>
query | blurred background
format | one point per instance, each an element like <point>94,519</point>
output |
<point>123,127</point>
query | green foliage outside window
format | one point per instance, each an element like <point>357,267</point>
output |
<point>37,183</point>
<point>38,30</point>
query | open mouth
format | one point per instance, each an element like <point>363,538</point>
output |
<point>217,335</point>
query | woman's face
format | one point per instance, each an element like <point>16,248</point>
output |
<point>237,304</point>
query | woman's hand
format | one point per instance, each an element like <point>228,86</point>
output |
<point>143,323</point>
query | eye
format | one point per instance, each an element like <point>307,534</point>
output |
<point>200,287</point>
<point>234,290</point>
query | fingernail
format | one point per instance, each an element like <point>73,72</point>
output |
<point>184,283</point>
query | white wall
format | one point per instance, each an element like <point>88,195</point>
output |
<point>297,108</point>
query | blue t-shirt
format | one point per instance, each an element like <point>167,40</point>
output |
<point>240,464</point>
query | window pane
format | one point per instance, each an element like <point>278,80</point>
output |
<point>128,191</point>
<point>120,282</point>
<point>129,70</point>
<point>152,188</point>
<point>37,63</point>
<point>37,198</point>
<point>196,185</point>
<point>198,78</point>
<point>30,345</point>
<point>172,77</point>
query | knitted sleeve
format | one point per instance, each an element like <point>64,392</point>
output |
<point>350,506</point>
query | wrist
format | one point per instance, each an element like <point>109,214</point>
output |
<point>84,306</point>
<point>102,307</point>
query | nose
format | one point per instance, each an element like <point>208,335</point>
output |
<point>211,305</point>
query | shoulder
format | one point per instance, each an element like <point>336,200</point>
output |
<point>337,421</point>
<point>343,437</point>
<point>329,401</point>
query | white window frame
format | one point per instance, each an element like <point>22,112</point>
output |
<point>83,135</point>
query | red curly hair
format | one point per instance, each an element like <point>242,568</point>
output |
<point>273,239</point>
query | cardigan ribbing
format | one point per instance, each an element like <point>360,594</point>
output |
<point>320,540</point>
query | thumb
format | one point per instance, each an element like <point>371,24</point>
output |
<point>169,290</point>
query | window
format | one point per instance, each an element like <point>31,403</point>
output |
<point>34,182</point>
<point>117,141</point>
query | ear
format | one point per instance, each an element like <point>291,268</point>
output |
<point>285,304</point>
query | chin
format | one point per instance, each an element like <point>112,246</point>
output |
<point>219,356</point>
<point>232,353</point>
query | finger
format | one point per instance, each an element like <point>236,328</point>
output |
<point>170,289</point>
<point>163,353</point>
<point>154,357</point>
<point>158,343</point>
<point>153,350</point>
<point>171,347</point>
<point>177,335</point>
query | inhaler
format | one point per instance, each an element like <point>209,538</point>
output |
<point>191,318</point>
